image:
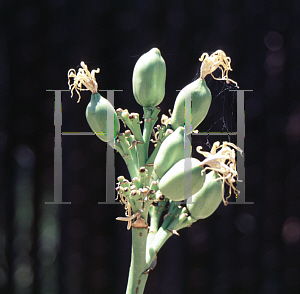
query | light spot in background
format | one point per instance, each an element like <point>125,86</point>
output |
<point>292,129</point>
<point>275,58</point>
<point>24,156</point>
<point>274,62</point>
<point>23,219</point>
<point>23,275</point>
<point>48,244</point>
<point>197,237</point>
<point>291,231</point>
<point>245,223</point>
<point>49,238</point>
<point>274,41</point>
<point>272,258</point>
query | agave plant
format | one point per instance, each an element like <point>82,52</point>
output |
<point>169,176</point>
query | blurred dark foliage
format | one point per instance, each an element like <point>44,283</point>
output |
<point>80,248</point>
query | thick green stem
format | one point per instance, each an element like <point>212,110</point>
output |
<point>137,280</point>
<point>159,240</point>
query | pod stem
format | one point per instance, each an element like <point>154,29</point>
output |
<point>173,212</point>
<point>153,154</point>
<point>155,213</point>
<point>119,148</point>
<point>130,165</point>
<point>132,149</point>
<point>136,130</point>
<point>150,118</point>
<point>127,156</point>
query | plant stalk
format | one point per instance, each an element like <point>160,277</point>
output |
<point>137,280</point>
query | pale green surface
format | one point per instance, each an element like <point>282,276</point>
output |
<point>208,199</point>
<point>174,148</point>
<point>149,77</point>
<point>200,103</point>
<point>173,183</point>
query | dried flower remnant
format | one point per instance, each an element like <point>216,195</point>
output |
<point>216,60</point>
<point>83,78</point>
<point>128,212</point>
<point>223,162</point>
<point>165,120</point>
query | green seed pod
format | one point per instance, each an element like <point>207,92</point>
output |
<point>96,115</point>
<point>148,79</point>
<point>200,103</point>
<point>207,199</point>
<point>183,175</point>
<point>174,148</point>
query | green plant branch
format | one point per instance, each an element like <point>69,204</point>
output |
<point>159,240</point>
<point>140,146</point>
<point>131,166</point>
<point>127,156</point>
<point>133,123</point>
<point>155,213</point>
<point>150,118</point>
<point>171,227</point>
<point>132,143</point>
<point>153,154</point>
<point>171,215</point>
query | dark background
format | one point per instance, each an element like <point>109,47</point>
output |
<point>80,248</point>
